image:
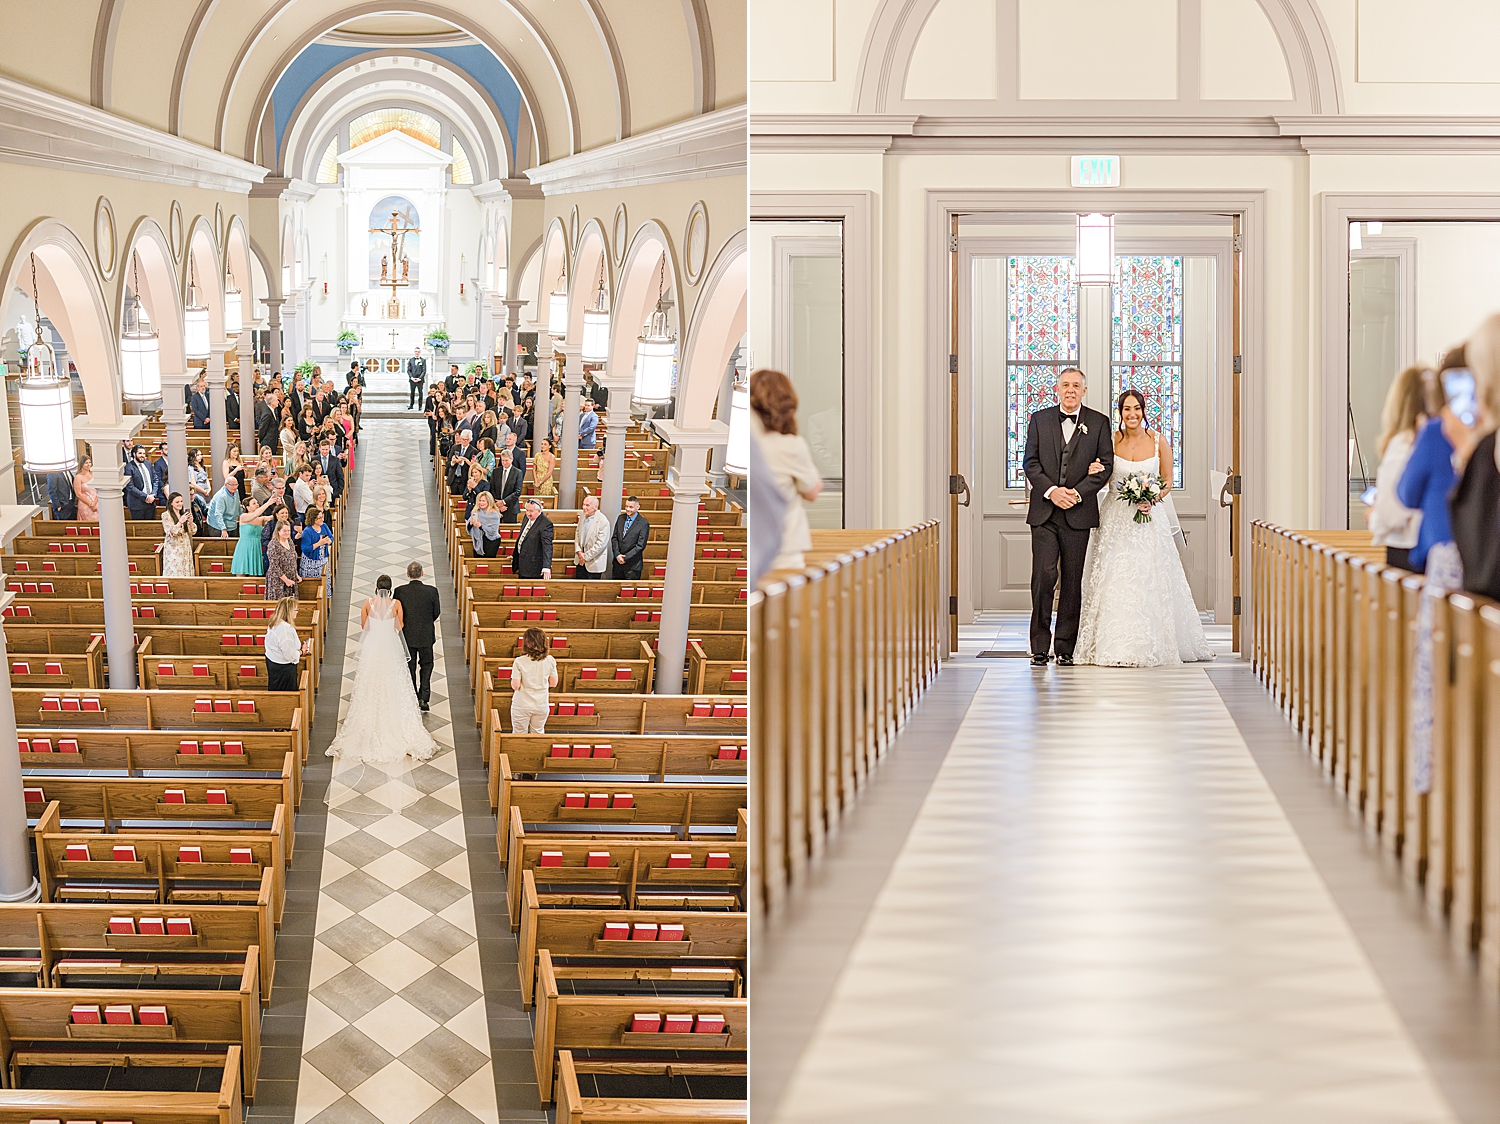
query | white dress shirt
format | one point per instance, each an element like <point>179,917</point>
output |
<point>283,645</point>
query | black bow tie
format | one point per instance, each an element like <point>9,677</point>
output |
<point>1070,417</point>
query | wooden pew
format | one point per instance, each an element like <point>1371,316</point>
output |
<point>717,665</point>
<point>574,1108</point>
<point>214,673</point>
<point>134,751</point>
<point>631,714</point>
<point>658,756</point>
<point>42,664</point>
<point>584,674</point>
<point>226,1106</point>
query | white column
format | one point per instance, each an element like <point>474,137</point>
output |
<point>114,558</point>
<point>218,431</point>
<point>567,488</point>
<point>16,881</point>
<point>174,415</point>
<point>291,341</point>
<point>248,447</point>
<point>273,325</point>
<point>688,480</point>
<point>612,479</point>
<point>512,333</point>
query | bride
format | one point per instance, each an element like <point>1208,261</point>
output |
<point>382,726</point>
<point>1137,608</point>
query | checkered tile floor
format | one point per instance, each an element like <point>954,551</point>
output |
<point>396,1029</point>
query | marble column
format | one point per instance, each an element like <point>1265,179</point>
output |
<point>567,486</point>
<point>218,431</point>
<point>512,334</point>
<point>612,479</point>
<point>273,326</point>
<point>16,881</point>
<point>114,558</point>
<point>246,348</point>
<point>688,481</point>
<point>174,416</point>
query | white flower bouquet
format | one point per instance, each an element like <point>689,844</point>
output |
<point>1139,488</point>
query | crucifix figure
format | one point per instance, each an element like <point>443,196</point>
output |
<point>393,339</point>
<point>398,228</point>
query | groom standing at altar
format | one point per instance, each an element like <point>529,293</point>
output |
<point>416,375</point>
<point>420,610</point>
<point>1062,441</point>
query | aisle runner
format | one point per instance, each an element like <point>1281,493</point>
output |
<point>396,1029</point>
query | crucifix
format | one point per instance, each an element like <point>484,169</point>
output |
<point>393,339</point>
<point>398,228</point>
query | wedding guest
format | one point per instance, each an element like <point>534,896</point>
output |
<point>627,549</point>
<point>198,485</point>
<point>287,441</point>
<point>61,501</point>
<point>591,559</point>
<point>140,485</point>
<point>284,648</point>
<point>315,545</point>
<point>543,469</point>
<point>478,482</point>
<point>1394,526</point>
<point>588,425</point>
<point>512,445</point>
<point>532,556</point>
<point>177,547</point>
<point>1428,476</point>
<point>533,674</point>
<point>484,526</point>
<point>249,561</point>
<point>225,508</point>
<point>302,494</point>
<point>458,462</point>
<point>1475,503</point>
<point>486,459</point>
<point>505,484</point>
<point>85,495</point>
<point>281,560</point>
<point>773,418</point>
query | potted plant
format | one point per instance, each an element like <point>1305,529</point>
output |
<point>347,342</point>
<point>475,369</point>
<point>305,368</point>
<point>437,339</point>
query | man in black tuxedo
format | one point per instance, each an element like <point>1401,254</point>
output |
<point>627,548</point>
<point>328,460</point>
<point>416,375</point>
<point>266,421</point>
<point>232,405</point>
<point>505,487</point>
<point>532,557</point>
<point>420,609</point>
<point>1062,443</point>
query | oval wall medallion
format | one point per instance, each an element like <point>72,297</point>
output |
<point>174,230</point>
<point>622,228</point>
<point>695,242</point>
<point>105,245</point>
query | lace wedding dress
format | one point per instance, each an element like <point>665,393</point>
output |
<point>1137,608</point>
<point>382,727</point>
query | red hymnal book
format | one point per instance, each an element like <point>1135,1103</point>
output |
<point>671,933</point>
<point>709,1024</point>
<point>124,852</point>
<point>728,752</point>
<point>549,614</point>
<point>227,639</point>
<point>582,751</point>
<point>643,931</point>
<point>677,862</point>
<point>122,1014</point>
<point>738,674</point>
<point>589,673</point>
<point>533,614</point>
<point>33,796</point>
<point>642,615</point>
<point>218,796</point>
<point>550,858</point>
<point>740,710</point>
<point>598,800</point>
<point>153,927</point>
<point>247,641</point>
<point>66,745</point>
<point>87,1014</point>
<point>575,800</point>
<point>72,704</point>
<point>239,614</point>
<point>717,860</point>
<point>23,746</point>
<point>41,745</point>
<point>559,641</point>
<point>165,669</point>
<point>245,706</point>
<point>518,614</point>
<point>598,858</point>
<point>200,669</point>
<point>153,1016</point>
<point>623,800</point>
<point>701,710</point>
<point>524,591</point>
<point>539,591</point>
<point>203,706</point>
<point>190,854</point>
<point>603,751</point>
<point>645,1024</point>
<point>241,855</point>
<point>122,925</point>
<point>20,667</point>
<point>616,931</point>
<point>213,747</point>
<point>585,708</point>
<point>223,706</point>
<point>509,591</point>
<point>567,708</point>
<point>180,926</point>
<point>248,669</point>
<point>677,1024</point>
<point>175,796</point>
<point>234,749</point>
<point>77,853</point>
<point>482,569</point>
<point>559,751</point>
<point>623,673</point>
<point>721,710</point>
<point>744,752</point>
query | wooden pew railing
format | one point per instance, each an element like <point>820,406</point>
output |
<point>1334,637</point>
<point>839,654</point>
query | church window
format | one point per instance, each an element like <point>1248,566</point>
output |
<point>1146,342</point>
<point>1041,338</point>
<point>328,167</point>
<point>418,126</point>
<point>463,172</point>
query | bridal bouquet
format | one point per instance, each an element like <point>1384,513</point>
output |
<point>1139,488</point>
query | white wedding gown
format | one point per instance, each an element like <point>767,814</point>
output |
<point>1137,608</point>
<point>382,727</point>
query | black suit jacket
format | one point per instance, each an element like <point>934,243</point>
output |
<point>631,543</point>
<point>266,423</point>
<point>416,369</point>
<point>232,410</point>
<point>533,550</point>
<point>1044,464</point>
<point>420,609</point>
<point>508,494</point>
<point>335,473</point>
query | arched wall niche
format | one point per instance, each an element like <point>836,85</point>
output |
<point>524,281</point>
<point>500,254</point>
<point>204,265</point>
<point>636,292</point>
<point>554,263</point>
<point>593,251</point>
<point>72,298</point>
<point>714,331</point>
<point>237,264</point>
<point>897,26</point>
<point>159,291</point>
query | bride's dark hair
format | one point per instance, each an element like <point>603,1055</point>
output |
<point>383,582</point>
<point>1130,392</point>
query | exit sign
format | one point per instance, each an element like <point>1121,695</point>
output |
<point>1096,171</point>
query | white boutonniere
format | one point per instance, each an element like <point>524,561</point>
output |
<point>1083,427</point>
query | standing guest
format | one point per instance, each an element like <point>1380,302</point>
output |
<point>532,675</point>
<point>224,509</point>
<point>505,485</point>
<point>773,417</point>
<point>281,560</point>
<point>331,467</point>
<point>1428,476</point>
<point>544,468</point>
<point>591,558</point>
<point>315,545</point>
<point>199,404</point>
<point>1475,503</point>
<point>61,498</point>
<point>140,485</point>
<point>488,428</point>
<point>486,459</point>
<point>355,377</point>
<point>588,425</point>
<point>85,495</point>
<point>517,454</point>
<point>452,382</point>
<point>248,558</point>
<point>484,526</point>
<point>232,404</point>
<point>161,472</point>
<point>284,648</point>
<point>177,548</point>
<point>1394,525</point>
<point>416,375</point>
<point>267,415</point>
<point>276,494</point>
<point>302,493</point>
<point>420,609</point>
<point>519,426</point>
<point>287,442</point>
<point>260,488</point>
<point>628,547</point>
<point>430,411</point>
<point>198,485</point>
<point>477,483</point>
<point>458,463</point>
<point>532,557</point>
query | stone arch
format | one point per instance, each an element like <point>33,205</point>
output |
<point>714,331</point>
<point>203,263</point>
<point>554,262</point>
<point>893,33</point>
<point>636,291</point>
<point>237,262</point>
<point>72,297</point>
<point>593,250</point>
<point>159,291</point>
<point>524,279</point>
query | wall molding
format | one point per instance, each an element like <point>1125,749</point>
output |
<point>710,144</point>
<point>44,129</point>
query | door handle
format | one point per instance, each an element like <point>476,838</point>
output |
<point>1226,493</point>
<point>957,485</point>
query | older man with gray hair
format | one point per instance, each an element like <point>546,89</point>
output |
<point>591,558</point>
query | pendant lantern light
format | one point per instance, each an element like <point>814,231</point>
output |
<point>234,315</point>
<point>195,322</point>
<point>655,353</point>
<point>737,455</point>
<point>596,325</point>
<point>46,401</point>
<point>1096,249</point>
<point>557,310</point>
<point>140,355</point>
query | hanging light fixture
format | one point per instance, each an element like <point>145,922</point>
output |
<point>234,315</point>
<point>195,322</point>
<point>737,455</point>
<point>140,356</point>
<point>655,353</point>
<point>596,325</point>
<point>46,400</point>
<point>1096,249</point>
<point>557,310</point>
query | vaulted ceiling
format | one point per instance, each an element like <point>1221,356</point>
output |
<point>542,79</point>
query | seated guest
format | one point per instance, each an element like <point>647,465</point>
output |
<point>284,649</point>
<point>532,556</point>
<point>505,485</point>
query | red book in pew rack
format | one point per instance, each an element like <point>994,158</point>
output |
<point>218,796</point>
<point>589,673</point>
<point>598,800</point>
<point>223,706</point>
<point>728,752</point>
<point>213,747</point>
<point>203,706</point>
<point>153,1016</point>
<point>187,747</point>
<point>41,745</point>
<point>623,673</point>
<point>77,853</point>
<point>575,800</point>
<point>241,855</point>
<point>245,706</point>
<point>120,1014</point>
<point>583,751</point>
<point>122,925</point>
<point>559,751</point>
<point>234,749</point>
<point>153,927</point>
<point>643,931</point>
<point>71,704</point>
<point>679,862</point>
<point>174,796</point>
<point>616,931</point>
<point>124,852</point>
<point>603,751</point>
<point>645,1024</point>
<point>677,1024</point>
<point>598,858</point>
<point>623,800</point>
<point>717,860</point>
<point>550,858</point>
<point>189,854</point>
<point>721,710</point>
<point>86,1014</point>
<point>567,708</point>
<point>33,796</point>
<point>65,745</point>
<point>180,926</point>
<point>585,708</point>
<point>701,710</point>
<point>709,1024</point>
<point>671,933</point>
<point>20,667</point>
<point>740,710</point>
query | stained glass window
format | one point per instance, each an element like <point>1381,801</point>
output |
<point>463,172</point>
<point>328,167</point>
<point>1146,343</point>
<point>1041,338</point>
<point>418,126</point>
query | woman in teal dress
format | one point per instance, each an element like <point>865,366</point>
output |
<point>248,559</point>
